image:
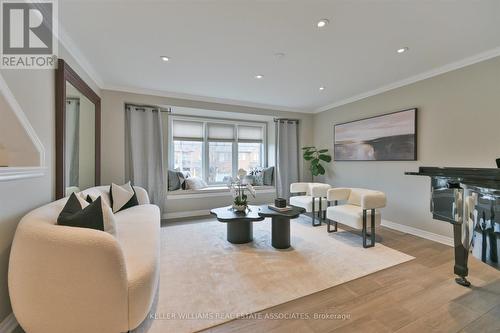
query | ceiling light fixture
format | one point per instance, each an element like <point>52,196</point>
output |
<point>321,88</point>
<point>322,23</point>
<point>165,58</point>
<point>259,76</point>
<point>402,50</point>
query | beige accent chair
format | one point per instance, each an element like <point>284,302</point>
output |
<point>309,196</point>
<point>66,279</point>
<point>359,203</point>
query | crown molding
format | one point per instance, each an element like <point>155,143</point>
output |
<point>419,77</point>
<point>75,52</point>
<point>199,98</point>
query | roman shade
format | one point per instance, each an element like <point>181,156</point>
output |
<point>185,130</point>
<point>250,133</point>
<point>220,132</point>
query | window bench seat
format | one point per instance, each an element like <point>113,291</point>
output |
<point>212,191</point>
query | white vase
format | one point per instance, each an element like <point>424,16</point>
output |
<point>239,208</point>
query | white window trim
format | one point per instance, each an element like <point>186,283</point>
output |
<point>205,121</point>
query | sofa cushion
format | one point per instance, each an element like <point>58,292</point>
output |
<point>305,201</point>
<point>138,233</point>
<point>351,215</point>
<point>122,197</point>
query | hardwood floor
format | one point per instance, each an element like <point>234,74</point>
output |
<point>417,296</point>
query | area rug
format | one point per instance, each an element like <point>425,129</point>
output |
<point>206,281</point>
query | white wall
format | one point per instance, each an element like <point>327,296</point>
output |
<point>458,125</point>
<point>19,150</point>
<point>35,92</point>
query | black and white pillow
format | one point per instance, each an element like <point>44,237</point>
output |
<point>79,213</point>
<point>183,175</point>
<point>122,197</point>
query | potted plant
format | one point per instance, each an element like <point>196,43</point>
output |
<point>316,157</point>
<point>239,191</point>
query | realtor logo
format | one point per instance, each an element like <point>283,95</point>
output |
<point>29,34</point>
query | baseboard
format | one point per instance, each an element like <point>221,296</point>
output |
<point>183,214</point>
<point>9,324</point>
<point>418,232</point>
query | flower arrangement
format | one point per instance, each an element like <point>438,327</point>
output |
<point>239,191</point>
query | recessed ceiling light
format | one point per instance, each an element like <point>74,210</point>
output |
<point>402,50</point>
<point>321,88</point>
<point>279,55</point>
<point>258,76</point>
<point>322,23</point>
<point>165,58</point>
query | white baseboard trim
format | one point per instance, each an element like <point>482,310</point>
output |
<point>418,232</point>
<point>9,324</point>
<point>190,213</point>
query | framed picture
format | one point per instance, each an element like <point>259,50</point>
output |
<point>389,137</point>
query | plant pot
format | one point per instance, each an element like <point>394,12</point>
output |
<point>239,208</point>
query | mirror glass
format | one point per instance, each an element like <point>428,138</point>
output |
<point>79,141</point>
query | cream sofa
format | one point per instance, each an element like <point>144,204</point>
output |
<point>66,279</point>
<point>359,204</point>
<point>311,197</point>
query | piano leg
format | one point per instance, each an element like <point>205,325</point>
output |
<point>461,257</point>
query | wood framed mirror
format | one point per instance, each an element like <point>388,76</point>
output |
<point>78,133</point>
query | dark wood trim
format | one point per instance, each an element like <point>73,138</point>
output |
<point>64,73</point>
<point>381,115</point>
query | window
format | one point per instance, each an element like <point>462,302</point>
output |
<point>215,149</point>
<point>220,162</point>
<point>188,147</point>
<point>188,156</point>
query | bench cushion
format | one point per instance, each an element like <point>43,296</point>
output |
<point>351,215</point>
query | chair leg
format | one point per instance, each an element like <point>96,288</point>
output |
<point>314,214</point>
<point>323,212</point>
<point>329,225</point>
<point>372,231</point>
<point>372,227</point>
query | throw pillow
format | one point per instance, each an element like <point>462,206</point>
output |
<point>268,176</point>
<point>87,198</point>
<point>183,175</point>
<point>195,183</point>
<point>122,197</point>
<point>258,177</point>
<point>258,180</point>
<point>174,183</point>
<point>249,179</point>
<point>79,213</point>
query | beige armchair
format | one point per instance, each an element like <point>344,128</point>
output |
<point>311,197</point>
<point>359,203</point>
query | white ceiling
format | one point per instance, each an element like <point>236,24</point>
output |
<point>217,47</point>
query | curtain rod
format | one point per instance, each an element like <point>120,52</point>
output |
<point>143,106</point>
<point>285,119</point>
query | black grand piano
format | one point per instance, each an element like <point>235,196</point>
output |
<point>469,199</point>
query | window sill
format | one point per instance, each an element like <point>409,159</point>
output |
<point>212,192</point>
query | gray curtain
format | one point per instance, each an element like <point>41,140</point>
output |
<point>144,151</point>
<point>72,141</point>
<point>287,156</point>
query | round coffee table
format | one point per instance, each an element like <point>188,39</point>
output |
<point>239,224</point>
